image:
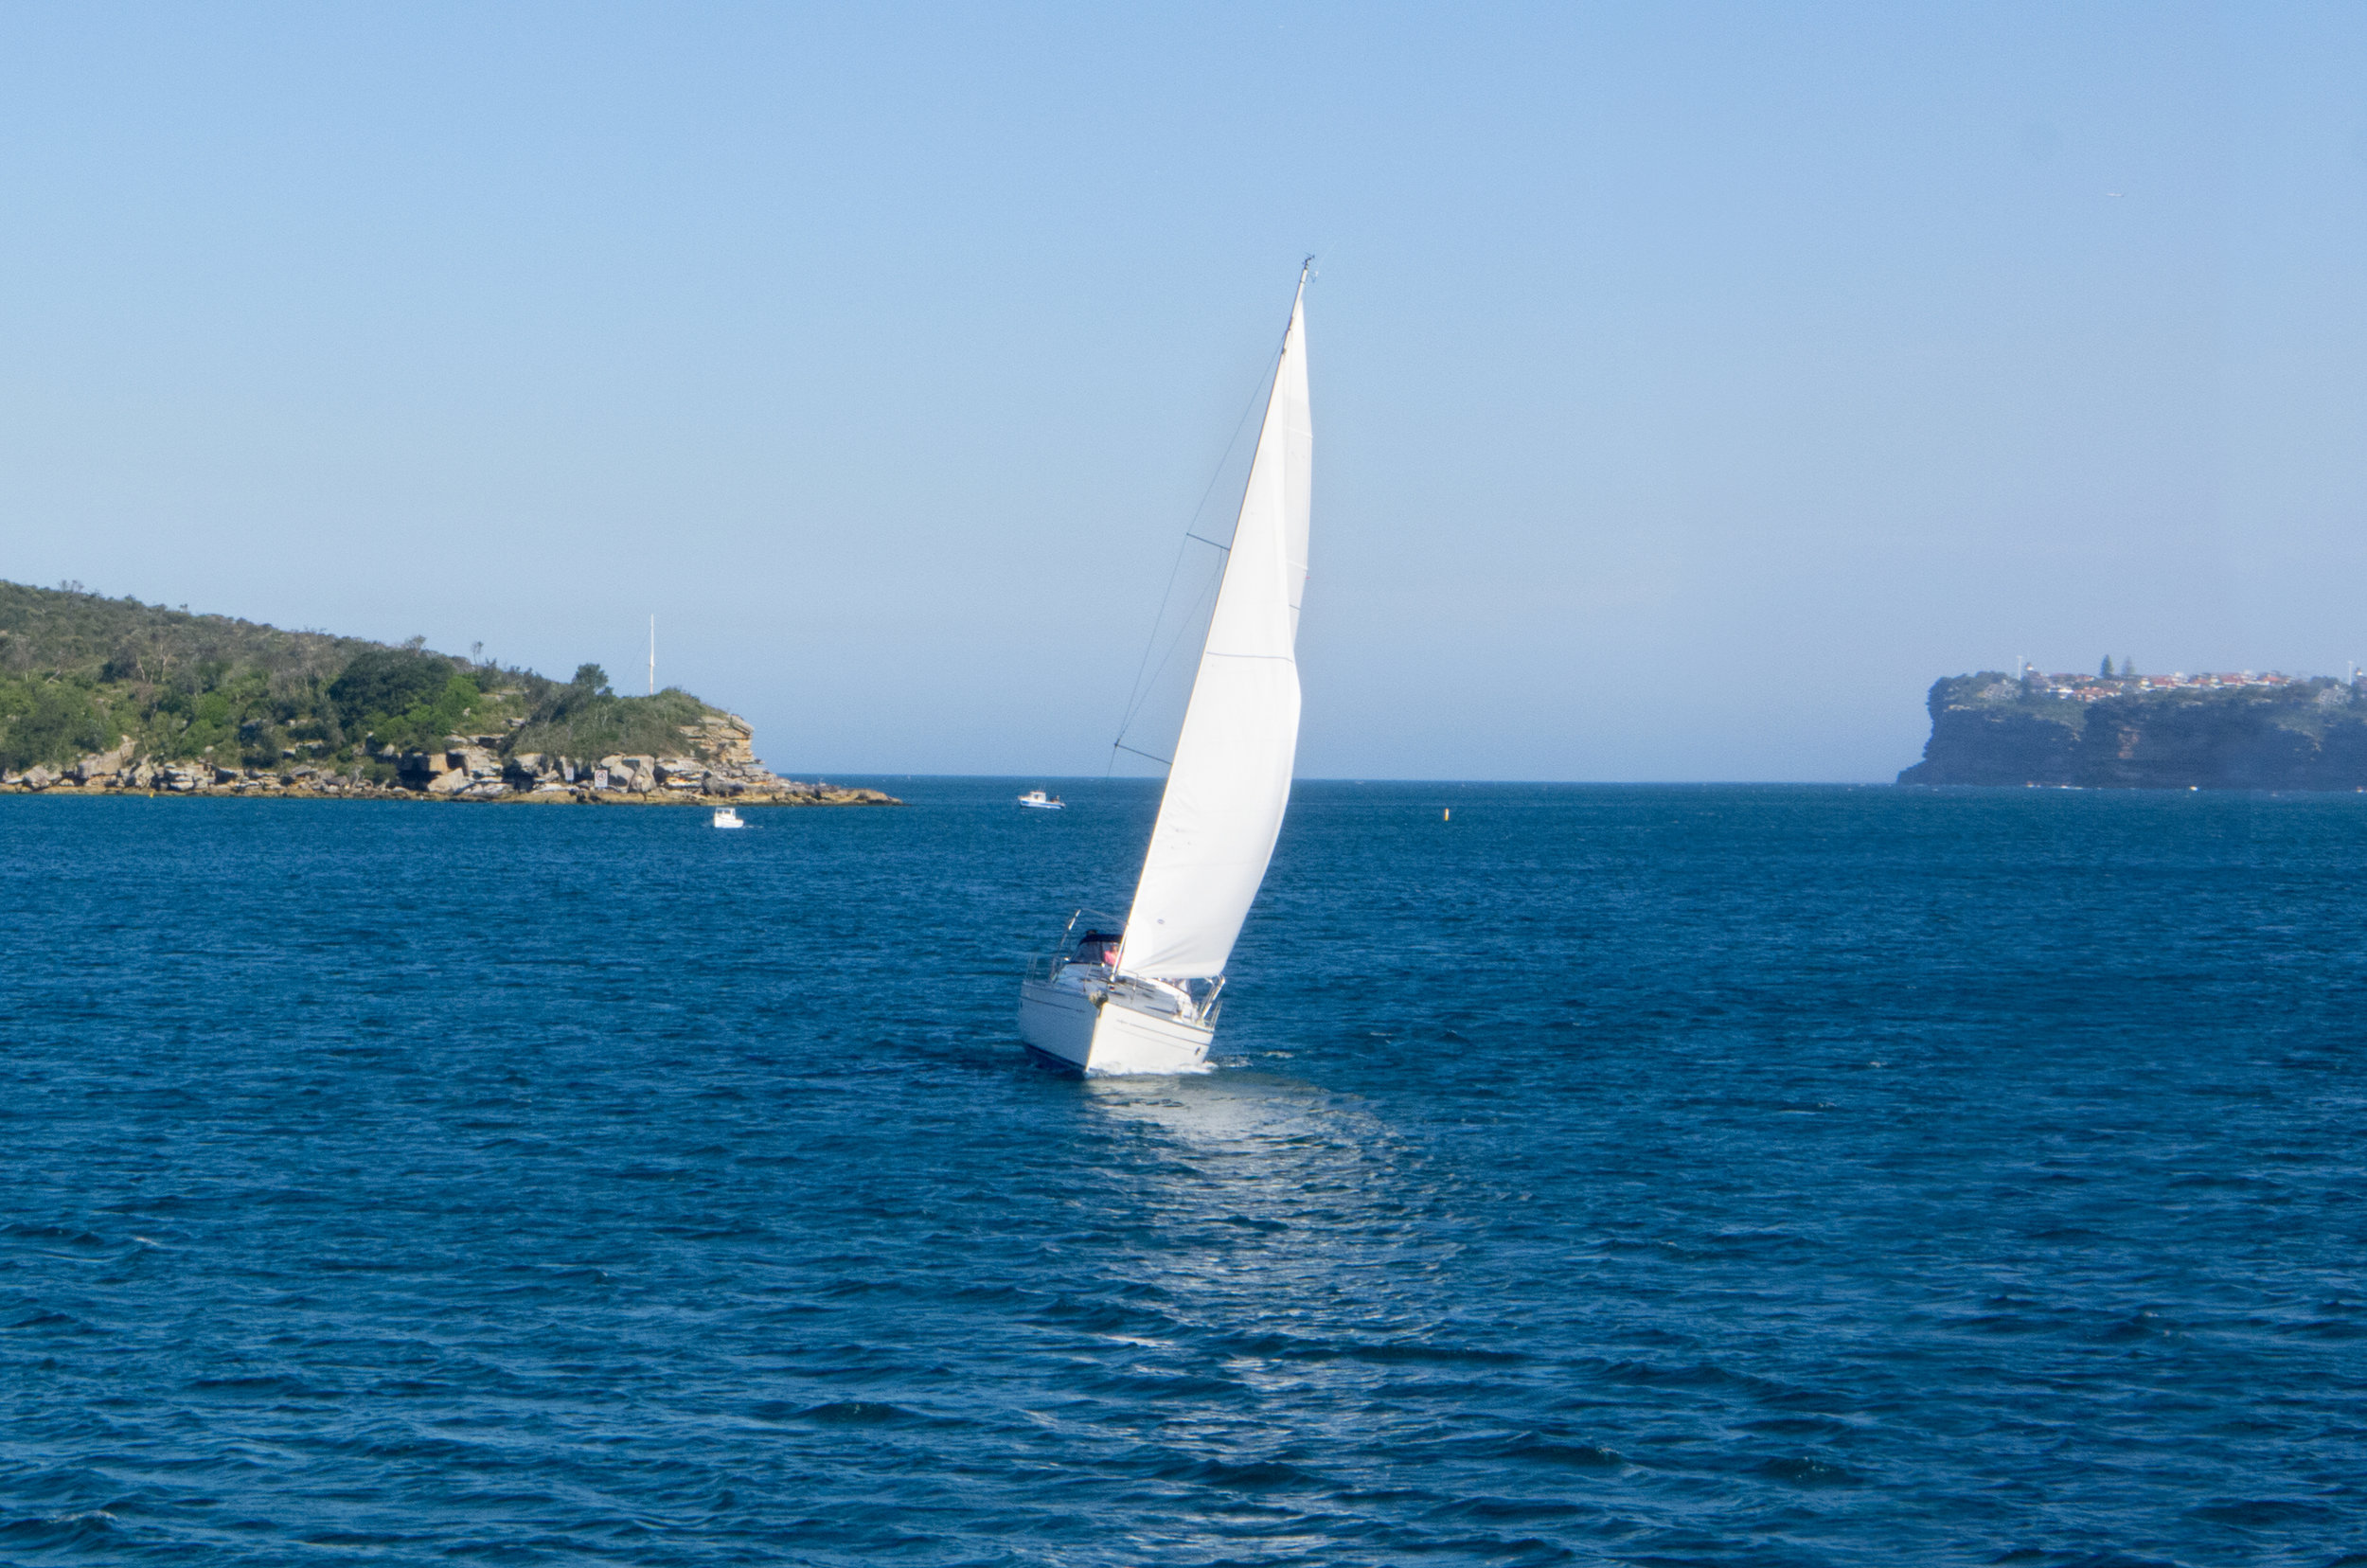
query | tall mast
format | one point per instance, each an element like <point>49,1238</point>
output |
<point>653,655</point>
<point>1229,781</point>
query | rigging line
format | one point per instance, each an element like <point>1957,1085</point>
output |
<point>1163,761</point>
<point>1264,384</point>
<point>1211,543</point>
<point>1135,694</point>
<point>1175,643</point>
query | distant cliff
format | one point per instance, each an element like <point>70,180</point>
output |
<point>2210,732</point>
<point>113,694</point>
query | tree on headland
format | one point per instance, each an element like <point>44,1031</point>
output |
<point>403,696</point>
<point>2128,670</point>
<point>380,683</point>
<point>585,718</point>
<point>44,719</point>
<point>2107,671</point>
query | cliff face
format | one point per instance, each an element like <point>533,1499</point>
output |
<point>2263,734</point>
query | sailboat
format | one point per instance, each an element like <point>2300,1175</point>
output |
<point>1141,996</point>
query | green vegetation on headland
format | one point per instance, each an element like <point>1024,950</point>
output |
<point>2163,732</point>
<point>105,692</point>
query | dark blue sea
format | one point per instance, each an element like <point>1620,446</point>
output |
<point>1628,1175</point>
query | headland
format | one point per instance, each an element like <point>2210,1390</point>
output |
<point>99,695</point>
<point>2235,731</point>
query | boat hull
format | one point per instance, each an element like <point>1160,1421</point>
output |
<point>1064,1026</point>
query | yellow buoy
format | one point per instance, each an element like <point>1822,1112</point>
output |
<point>1446,813</point>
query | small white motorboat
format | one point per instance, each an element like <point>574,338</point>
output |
<point>1042,802</point>
<point>727,816</point>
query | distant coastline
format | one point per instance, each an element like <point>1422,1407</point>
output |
<point>112,696</point>
<point>2235,731</point>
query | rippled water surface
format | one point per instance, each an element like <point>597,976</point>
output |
<point>1756,1176</point>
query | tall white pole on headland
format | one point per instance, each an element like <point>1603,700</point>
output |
<point>653,655</point>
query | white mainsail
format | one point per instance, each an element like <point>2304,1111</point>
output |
<point>1230,777</point>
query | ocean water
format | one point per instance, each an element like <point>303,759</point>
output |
<point>1677,1175</point>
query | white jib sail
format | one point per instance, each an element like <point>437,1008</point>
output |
<point>1230,777</point>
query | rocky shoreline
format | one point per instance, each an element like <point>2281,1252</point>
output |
<point>717,766</point>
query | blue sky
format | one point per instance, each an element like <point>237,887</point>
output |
<point>1692,383</point>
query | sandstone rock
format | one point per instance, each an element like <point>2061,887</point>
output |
<point>723,739</point>
<point>636,774</point>
<point>717,761</point>
<point>424,770</point>
<point>104,764</point>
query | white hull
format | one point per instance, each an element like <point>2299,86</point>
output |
<point>1061,1021</point>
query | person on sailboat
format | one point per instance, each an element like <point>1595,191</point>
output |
<point>1098,947</point>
